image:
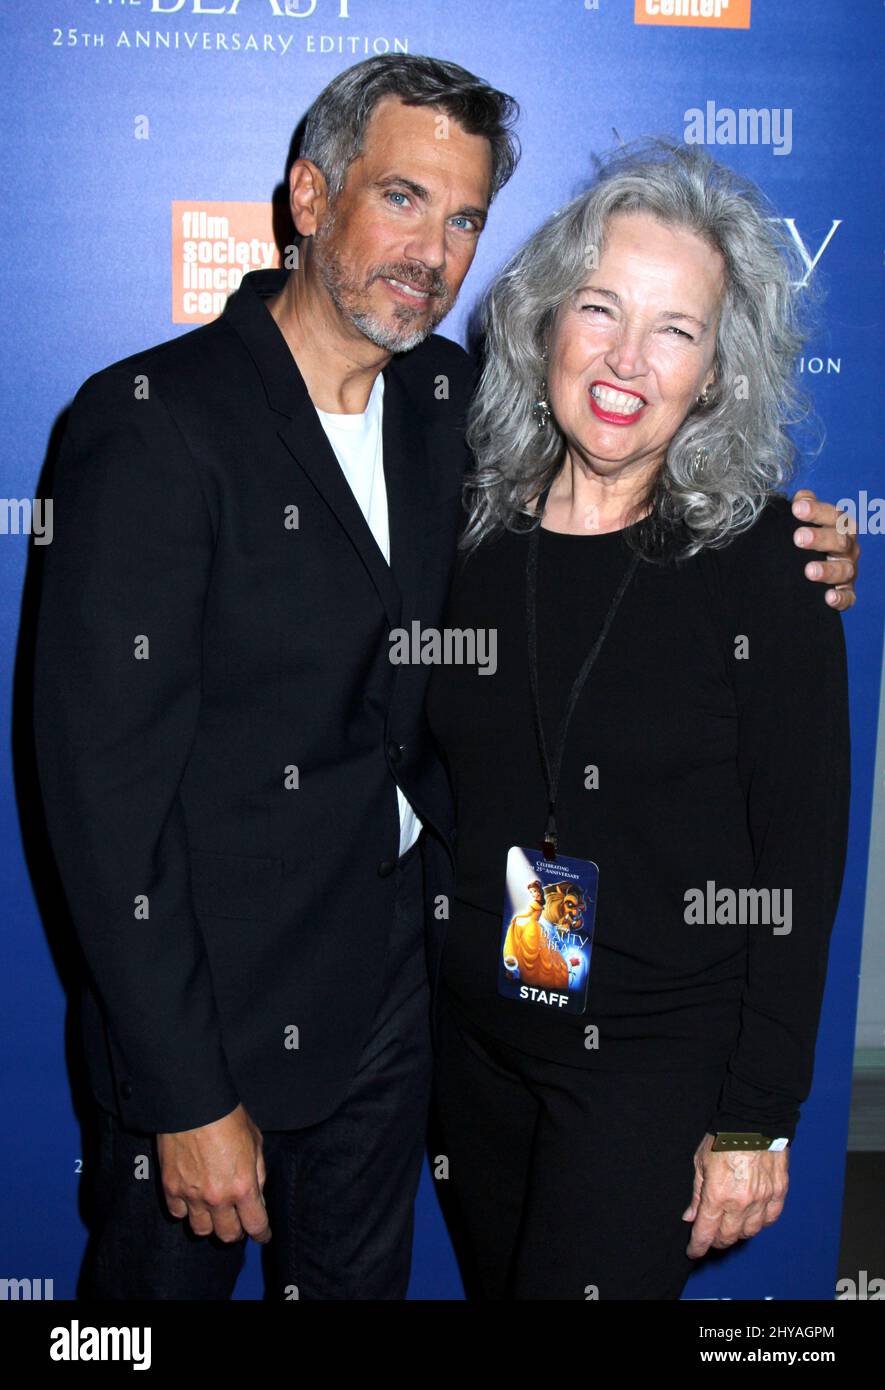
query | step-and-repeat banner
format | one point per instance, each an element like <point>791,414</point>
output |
<point>143,142</point>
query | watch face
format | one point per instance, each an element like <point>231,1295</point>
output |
<point>778,1144</point>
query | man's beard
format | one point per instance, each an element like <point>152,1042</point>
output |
<point>346,293</point>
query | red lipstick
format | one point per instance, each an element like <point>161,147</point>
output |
<point>611,417</point>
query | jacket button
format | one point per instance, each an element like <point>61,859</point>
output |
<point>395,752</point>
<point>126,1090</point>
<point>386,868</point>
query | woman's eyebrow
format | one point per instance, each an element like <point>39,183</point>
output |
<point>665,313</point>
<point>680,314</point>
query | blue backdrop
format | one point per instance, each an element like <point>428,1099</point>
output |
<point>114,111</point>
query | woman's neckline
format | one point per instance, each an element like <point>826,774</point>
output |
<point>589,535</point>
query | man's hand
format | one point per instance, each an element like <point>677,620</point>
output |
<point>215,1176</point>
<point>834,539</point>
<point>735,1195</point>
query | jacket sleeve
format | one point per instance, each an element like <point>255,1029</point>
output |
<point>794,768</point>
<point>116,700</point>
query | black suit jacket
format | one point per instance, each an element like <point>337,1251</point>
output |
<point>219,727</point>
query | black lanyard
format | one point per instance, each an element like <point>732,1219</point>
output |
<point>551,773</point>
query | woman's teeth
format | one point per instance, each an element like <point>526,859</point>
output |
<point>618,402</point>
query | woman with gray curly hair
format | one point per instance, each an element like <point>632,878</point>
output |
<point>625,1047</point>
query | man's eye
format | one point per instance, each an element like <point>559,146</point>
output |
<point>467,224</point>
<point>394,194</point>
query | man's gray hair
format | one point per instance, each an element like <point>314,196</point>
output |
<point>336,122</point>
<point>727,456</point>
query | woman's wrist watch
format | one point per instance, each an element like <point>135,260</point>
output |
<point>746,1141</point>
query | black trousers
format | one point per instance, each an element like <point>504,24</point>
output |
<point>565,1183</point>
<point>339,1194</point>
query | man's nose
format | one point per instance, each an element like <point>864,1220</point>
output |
<point>428,245</point>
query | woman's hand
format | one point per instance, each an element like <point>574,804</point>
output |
<point>735,1195</point>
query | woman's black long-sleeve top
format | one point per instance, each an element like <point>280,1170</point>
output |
<point>710,746</point>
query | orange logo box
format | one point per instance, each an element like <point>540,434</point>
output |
<point>695,14</point>
<point>213,246</point>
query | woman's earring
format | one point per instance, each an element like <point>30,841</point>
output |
<point>703,398</point>
<point>541,407</point>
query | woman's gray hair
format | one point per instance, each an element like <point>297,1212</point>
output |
<point>727,456</point>
<point>336,122</point>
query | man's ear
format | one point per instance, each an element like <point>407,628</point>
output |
<point>308,196</point>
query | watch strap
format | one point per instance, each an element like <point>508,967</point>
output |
<point>734,1141</point>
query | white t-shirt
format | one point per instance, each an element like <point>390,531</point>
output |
<point>357,442</point>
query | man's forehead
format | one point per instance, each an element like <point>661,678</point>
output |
<point>404,134</point>
<point>391,116</point>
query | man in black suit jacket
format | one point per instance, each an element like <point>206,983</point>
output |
<point>221,732</point>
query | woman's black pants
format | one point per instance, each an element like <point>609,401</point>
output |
<point>565,1183</point>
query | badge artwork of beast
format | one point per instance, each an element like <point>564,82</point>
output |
<point>531,939</point>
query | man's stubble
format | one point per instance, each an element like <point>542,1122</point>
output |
<point>347,294</point>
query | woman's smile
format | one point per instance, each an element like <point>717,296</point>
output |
<point>614,405</point>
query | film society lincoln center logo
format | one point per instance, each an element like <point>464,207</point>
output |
<point>213,246</point>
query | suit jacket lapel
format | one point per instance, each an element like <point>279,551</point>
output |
<point>409,483</point>
<point>304,437</point>
<point>306,441</point>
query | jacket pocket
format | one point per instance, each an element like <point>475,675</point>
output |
<point>235,885</point>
